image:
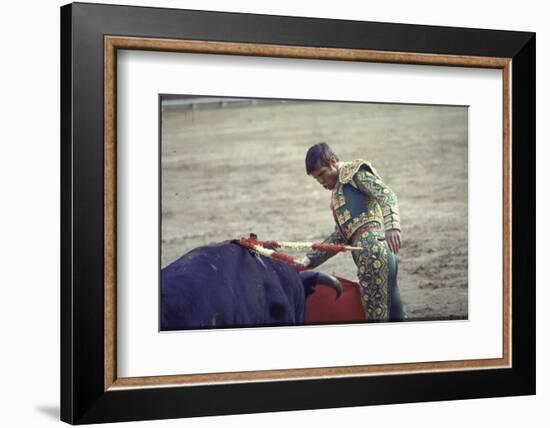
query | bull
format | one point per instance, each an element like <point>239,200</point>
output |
<point>227,285</point>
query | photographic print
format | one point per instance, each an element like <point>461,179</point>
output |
<point>284,212</point>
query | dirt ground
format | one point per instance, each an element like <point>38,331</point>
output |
<point>228,171</point>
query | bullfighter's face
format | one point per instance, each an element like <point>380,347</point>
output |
<point>326,176</point>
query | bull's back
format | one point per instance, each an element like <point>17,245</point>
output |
<point>224,285</point>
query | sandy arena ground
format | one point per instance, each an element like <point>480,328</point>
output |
<point>230,171</point>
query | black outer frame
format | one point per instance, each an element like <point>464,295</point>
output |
<point>83,399</point>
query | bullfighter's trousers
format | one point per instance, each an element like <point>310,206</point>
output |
<point>377,274</point>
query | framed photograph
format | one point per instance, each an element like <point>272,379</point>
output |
<point>266,213</point>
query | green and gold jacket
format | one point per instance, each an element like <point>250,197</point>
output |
<point>359,199</point>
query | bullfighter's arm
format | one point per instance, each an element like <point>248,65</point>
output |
<point>375,188</point>
<point>315,258</point>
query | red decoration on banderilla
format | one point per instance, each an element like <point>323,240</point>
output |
<point>266,248</point>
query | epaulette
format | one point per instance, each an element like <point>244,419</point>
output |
<point>347,170</point>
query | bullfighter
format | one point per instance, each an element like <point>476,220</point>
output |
<point>366,214</point>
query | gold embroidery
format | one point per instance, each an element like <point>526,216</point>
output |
<point>373,186</point>
<point>338,200</point>
<point>350,225</point>
<point>347,170</point>
<point>372,215</point>
<point>343,217</point>
<point>373,275</point>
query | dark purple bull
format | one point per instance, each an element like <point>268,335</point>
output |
<point>226,285</point>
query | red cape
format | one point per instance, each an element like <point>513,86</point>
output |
<point>321,306</point>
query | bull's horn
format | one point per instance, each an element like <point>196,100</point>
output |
<point>311,278</point>
<point>330,281</point>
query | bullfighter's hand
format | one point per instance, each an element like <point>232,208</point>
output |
<point>393,238</point>
<point>305,261</point>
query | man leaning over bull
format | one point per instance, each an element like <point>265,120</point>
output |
<point>366,214</point>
